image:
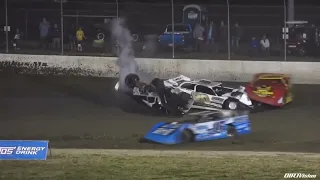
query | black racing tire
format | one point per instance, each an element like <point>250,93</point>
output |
<point>131,79</point>
<point>187,136</point>
<point>185,97</point>
<point>228,104</point>
<point>232,133</point>
<point>257,107</point>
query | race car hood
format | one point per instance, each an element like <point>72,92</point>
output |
<point>165,133</point>
<point>263,91</point>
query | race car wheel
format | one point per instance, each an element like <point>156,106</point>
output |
<point>230,104</point>
<point>186,136</point>
<point>131,80</point>
<point>232,133</point>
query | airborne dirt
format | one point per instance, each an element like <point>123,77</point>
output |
<point>86,112</point>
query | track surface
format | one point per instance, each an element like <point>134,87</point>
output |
<point>85,112</point>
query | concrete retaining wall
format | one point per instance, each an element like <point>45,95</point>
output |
<point>220,70</point>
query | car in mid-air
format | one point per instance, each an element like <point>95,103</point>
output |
<point>270,89</point>
<point>201,126</point>
<point>192,94</point>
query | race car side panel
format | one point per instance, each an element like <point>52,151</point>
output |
<point>219,129</point>
<point>171,133</point>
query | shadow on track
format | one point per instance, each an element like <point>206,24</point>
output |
<point>128,105</point>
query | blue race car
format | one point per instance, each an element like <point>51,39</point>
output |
<point>202,126</point>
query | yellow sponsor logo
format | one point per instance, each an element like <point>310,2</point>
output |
<point>263,92</point>
<point>201,98</point>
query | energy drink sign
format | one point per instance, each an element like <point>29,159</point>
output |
<point>23,150</point>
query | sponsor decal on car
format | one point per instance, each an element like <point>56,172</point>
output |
<point>201,98</point>
<point>263,91</point>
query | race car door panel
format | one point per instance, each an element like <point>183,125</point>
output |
<point>213,98</point>
<point>209,129</point>
<point>205,90</point>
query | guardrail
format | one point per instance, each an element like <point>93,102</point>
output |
<point>220,70</point>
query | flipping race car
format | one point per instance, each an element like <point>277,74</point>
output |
<point>202,126</point>
<point>156,95</point>
<point>193,94</point>
<point>270,89</point>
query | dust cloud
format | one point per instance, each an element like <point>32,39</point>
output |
<point>126,60</point>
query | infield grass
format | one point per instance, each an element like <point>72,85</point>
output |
<point>91,166</point>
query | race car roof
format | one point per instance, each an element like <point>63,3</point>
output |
<point>271,76</point>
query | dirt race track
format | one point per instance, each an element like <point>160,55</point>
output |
<point>85,112</point>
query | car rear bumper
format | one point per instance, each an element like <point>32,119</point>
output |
<point>267,101</point>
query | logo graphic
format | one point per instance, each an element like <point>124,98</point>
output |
<point>7,150</point>
<point>299,175</point>
<point>263,91</point>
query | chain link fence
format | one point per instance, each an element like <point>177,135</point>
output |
<point>150,20</point>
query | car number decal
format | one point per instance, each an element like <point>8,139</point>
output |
<point>172,126</point>
<point>163,131</point>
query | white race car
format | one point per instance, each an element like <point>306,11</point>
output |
<point>196,94</point>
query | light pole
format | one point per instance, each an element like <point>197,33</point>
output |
<point>172,24</point>
<point>229,49</point>
<point>7,34</point>
<point>285,29</point>
<point>61,10</point>
<point>117,9</point>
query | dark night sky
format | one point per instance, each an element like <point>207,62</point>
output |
<point>236,2</point>
<point>78,3</point>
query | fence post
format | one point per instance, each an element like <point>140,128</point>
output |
<point>7,29</point>
<point>172,16</point>
<point>61,10</point>
<point>229,49</point>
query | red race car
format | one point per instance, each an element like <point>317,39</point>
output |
<point>270,89</point>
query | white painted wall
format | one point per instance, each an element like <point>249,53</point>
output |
<point>219,70</point>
